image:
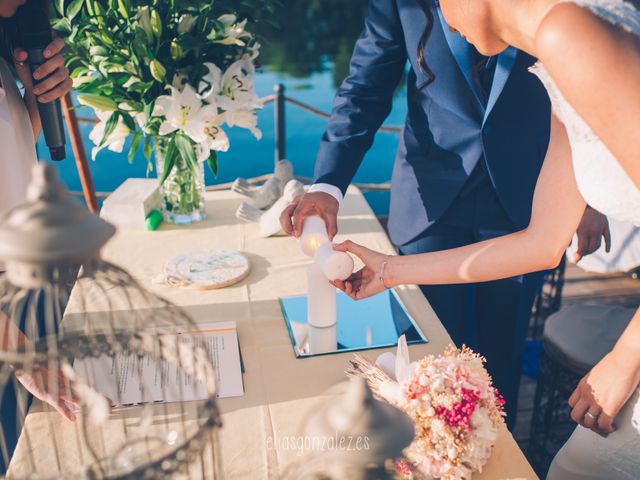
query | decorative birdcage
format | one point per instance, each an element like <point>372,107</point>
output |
<point>127,364</point>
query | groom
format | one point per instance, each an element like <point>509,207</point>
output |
<point>469,156</point>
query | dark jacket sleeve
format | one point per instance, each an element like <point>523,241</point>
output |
<point>364,99</point>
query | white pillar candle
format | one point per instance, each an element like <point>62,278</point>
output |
<point>322,340</point>
<point>321,298</point>
<point>335,265</point>
<point>314,234</point>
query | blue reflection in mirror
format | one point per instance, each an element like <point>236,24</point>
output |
<point>375,322</point>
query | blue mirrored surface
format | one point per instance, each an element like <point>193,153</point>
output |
<point>375,322</point>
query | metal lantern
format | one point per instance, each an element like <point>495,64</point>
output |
<point>51,248</point>
<point>353,436</point>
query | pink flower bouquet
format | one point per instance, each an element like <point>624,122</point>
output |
<point>450,398</point>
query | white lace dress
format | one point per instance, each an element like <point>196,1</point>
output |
<point>601,180</point>
<point>606,187</point>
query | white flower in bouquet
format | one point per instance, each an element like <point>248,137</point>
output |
<point>114,141</point>
<point>232,90</point>
<point>183,110</point>
<point>234,32</point>
<point>244,119</point>
<point>214,136</point>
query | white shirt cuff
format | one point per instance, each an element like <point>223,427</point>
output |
<point>332,190</point>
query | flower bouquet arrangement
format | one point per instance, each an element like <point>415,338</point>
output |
<point>450,398</point>
<point>170,75</point>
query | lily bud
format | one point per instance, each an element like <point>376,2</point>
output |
<point>176,50</point>
<point>156,24</point>
<point>186,23</point>
<point>104,104</point>
<point>228,19</point>
<point>157,70</point>
<point>144,18</point>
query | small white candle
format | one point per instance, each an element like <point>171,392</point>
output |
<point>321,298</point>
<point>314,234</point>
<point>335,265</point>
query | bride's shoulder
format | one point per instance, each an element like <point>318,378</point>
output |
<point>570,25</point>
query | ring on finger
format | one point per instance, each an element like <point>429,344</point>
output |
<point>591,416</point>
<point>20,64</point>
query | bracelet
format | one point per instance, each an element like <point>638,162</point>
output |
<point>382,269</point>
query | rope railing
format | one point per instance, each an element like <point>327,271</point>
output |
<point>365,187</point>
<point>279,98</point>
<point>304,106</point>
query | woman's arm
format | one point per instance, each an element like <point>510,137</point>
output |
<point>606,92</point>
<point>557,209</point>
<point>608,386</point>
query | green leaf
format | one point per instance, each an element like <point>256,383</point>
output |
<point>170,156</point>
<point>123,8</point>
<point>187,152</point>
<point>112,122</point>
<point>78,71</point>
<point>59,5</point>
<point>147,149</point>
<point>128,121</point>
<point>62,25</point>
<point>97,101</point>
<point>74,8</point>
<point>135,144</point>
<point>212,161</point>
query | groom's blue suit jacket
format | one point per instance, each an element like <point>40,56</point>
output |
<point>449,126</point>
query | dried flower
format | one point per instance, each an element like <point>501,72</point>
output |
<point>455,408</point>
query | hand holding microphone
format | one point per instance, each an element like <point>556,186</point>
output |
<point>41,70</point>
<point>56,83</point>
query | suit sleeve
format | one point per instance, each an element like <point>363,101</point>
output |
<point>364,99</point>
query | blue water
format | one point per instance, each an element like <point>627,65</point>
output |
<point>249,157</point>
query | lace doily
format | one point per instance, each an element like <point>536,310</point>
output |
<point>206,270</point>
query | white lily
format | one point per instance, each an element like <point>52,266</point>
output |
<point>211,83</point>
<point>216,138</point>
<point>234,90</point>
<point>244,119</point>
<point>115,141</point>
<point>184,110</point>
<point>235,33</point>
<point>255,50</point>
<point>179,80</point>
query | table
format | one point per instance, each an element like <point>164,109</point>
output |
<point>280,389</point>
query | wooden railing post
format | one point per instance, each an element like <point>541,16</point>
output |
<point>279,122</point>
<point>81,156</point>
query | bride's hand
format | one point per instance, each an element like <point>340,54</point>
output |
<point>57,394</point>
<point>603,392</point>
<point>367,281</point>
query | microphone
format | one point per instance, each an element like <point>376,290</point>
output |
<point>35,31</point>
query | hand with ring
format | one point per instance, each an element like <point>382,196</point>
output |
<point>603,392</point>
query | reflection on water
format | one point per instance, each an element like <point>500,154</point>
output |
<point>308,51</point>
<point>307,33</point>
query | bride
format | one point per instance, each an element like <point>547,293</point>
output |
<point>589,53</point>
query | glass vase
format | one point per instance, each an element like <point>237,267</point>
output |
<point>182,191</point>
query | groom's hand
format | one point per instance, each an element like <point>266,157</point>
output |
<point>593,227</point>
<point>316,203</point>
